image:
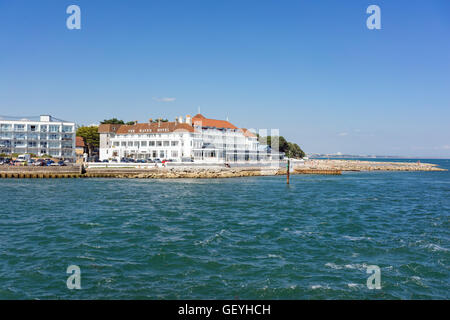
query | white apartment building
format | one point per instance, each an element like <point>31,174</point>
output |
<point>197,138</point>
<point>44,136</point>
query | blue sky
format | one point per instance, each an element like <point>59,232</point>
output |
<point>310,68</point>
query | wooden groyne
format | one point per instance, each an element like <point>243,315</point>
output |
<point>318,171</point>
<point>49,175</point>
<point>158,174</point>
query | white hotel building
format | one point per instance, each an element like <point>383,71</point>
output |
<point>198,138</point>
<point>44,136</point>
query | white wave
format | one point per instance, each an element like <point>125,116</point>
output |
<point>435,247</point>
<point>357,238</point>
<point>333,265</point>
<point>319,286</point>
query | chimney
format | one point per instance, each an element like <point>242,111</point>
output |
<point>150,120</point>
<point>159,122</point>
<point>189,120</point>
<point>180,119</point>
<point>176,120</point>
<point>135,121</point>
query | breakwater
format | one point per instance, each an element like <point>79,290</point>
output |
<point>322,167</point>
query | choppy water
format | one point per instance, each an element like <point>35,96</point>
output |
<point>245,238</point>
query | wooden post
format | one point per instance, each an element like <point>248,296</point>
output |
<point>287,172</point>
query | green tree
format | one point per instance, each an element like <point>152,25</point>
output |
<point>290,149</point>
<point>112,121</point>
<point>90,136</point>
<point>295,151</point>
<point>162,120</point>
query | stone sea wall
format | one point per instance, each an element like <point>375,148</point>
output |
<point>330,167</point>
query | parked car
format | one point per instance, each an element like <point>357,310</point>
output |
<point>105,161</point>
<point>61,163</point>
<point>40,163</point>
<point>49,162</point>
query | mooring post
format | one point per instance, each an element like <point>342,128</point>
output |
<point>82,169</point>
<point>287,172</point>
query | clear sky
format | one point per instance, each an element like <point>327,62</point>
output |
<point>309,68</point>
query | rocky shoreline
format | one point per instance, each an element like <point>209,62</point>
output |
<point>328,167</point>
<point>358,165</point>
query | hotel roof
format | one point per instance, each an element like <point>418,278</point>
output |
<point>247,133</point>
<point>205,122</point>
<point>161,127</point>
<point>107,128</point>
<point>155,127</point>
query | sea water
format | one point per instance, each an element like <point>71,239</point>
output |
<point>238,238</point>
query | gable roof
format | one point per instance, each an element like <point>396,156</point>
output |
<point>79,142</point>
<point>199,119</point>
<point>247,133</point>
<point>108,128</point>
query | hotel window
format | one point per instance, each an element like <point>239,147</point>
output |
<point>174,143</point>
<point>158,143</point>
<point>136,143</point>
<point>143,143</point>
<point>130,143</point>
<point>166,143</point>
<point>151,143</point>
<point>19,144</point>
<point>32,144</point>
<point>67,136</point>
<point>54,128</point>
<point>124,144</point>
<point>20,136</point>
<point>32,128</point>
<point>54,145</point>
<point>53,137</point>
<point>44,128</point>
<point>19,127</point>
<point>66,145</point>
<point>43,144</point>
<point>154,154</point>
<point>174,154</point>
<point>116,143</point>
<point>5,127</point>
<point>67,129</point>
<point>161,154</point>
